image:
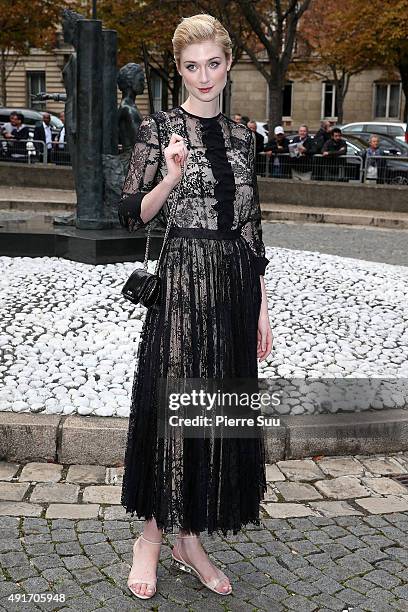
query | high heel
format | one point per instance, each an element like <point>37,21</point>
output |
<point>182,565</point>
<point>135,579</point>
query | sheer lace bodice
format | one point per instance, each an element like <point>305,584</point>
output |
<point>219,189</point>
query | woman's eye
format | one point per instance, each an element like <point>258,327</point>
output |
<point>212,64</point>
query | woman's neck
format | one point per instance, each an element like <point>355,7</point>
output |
<point>202,109</point>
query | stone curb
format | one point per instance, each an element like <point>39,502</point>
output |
<point>96,440</point>
<point>36,205</point>
<point>288,212</point>
<point>333,195</point>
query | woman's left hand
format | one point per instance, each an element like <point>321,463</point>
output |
<point>265,337</point>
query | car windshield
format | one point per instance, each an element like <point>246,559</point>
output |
<point>386,142</point>
<point>356,144</point>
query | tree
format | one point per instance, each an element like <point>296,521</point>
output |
<point>388,24</point>
<point>23,25</point>
<point>330,50</point>
<point>138,22</point>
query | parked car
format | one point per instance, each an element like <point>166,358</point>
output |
<point>391,146</point>
<point>388,128</point>
<point>396,171</point>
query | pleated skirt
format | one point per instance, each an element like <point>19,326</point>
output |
<point>205,327</point>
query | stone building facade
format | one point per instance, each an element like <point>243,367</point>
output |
<point>372,95</point>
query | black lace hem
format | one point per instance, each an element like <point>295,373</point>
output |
<point>224,190</point>
<point>224,531</point>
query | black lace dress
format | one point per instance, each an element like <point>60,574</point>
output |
<point>206,326</point>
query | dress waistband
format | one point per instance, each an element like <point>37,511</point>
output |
<point>203,232</point>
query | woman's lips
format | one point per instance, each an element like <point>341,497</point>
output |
<point>205,89</point>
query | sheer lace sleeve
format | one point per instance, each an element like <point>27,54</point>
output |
<point>141,176</point>
<point>252,230</point>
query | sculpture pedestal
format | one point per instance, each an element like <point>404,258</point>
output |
<point>39,237</point>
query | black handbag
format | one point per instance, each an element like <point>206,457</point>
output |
<point>142,287</point>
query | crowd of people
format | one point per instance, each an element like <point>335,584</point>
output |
<point>47,147</point>
<point>300,157</point>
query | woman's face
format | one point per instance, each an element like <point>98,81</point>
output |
<point>204,68</point>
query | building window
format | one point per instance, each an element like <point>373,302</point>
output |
<point>35,84</point>
<point>156,91</point>
<point>329,101</point>
<point>387,100</point>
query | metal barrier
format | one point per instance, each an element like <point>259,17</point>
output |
<point>23,151</point>
<point>386,169</point>
<point>60,154</point>
<point>341,168</point>
<point>34,151</point>
<point>379,169</point>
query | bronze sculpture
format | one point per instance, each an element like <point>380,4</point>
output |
<point>131,83</point>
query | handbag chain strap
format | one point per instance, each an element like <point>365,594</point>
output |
<point>171,215</point>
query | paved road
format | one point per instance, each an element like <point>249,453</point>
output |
<point>372,244</point>
<point>346,550</point>
<point>302,564</point>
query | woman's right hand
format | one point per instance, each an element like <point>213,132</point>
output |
<point>176,156</point>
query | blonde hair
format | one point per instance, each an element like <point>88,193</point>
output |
<point>200,28</point>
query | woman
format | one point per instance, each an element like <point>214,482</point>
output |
<point>374,161</point>
<point>213,319</point>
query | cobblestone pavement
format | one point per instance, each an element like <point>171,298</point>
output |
<point>333,536</point>
<point>368,243</point>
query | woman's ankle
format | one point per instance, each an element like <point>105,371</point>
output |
<point>151,531</point>
<point>188,534</point>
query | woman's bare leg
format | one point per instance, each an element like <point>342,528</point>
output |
<point>146,557</point>
<point>192,552</point>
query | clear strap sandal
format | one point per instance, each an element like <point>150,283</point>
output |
<point>186,567</point>
<point>133,579</point>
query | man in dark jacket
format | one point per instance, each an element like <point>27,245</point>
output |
<point>277,150</point>
<point>260,157</point>
<point>301,153</point>
<point>17,135</point>
<point>42,133</point>
<point>332,151</point>
<point>321,137</point>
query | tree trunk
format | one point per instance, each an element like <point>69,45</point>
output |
<point>176,87</point>
<point>165,89</point>
<point>340,105</point>
<point>403,69</point>
<point>227,96</point>
<point>3,79</point>
<point>275,103</point>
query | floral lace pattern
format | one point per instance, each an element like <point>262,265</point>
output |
<point>219,189</point>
